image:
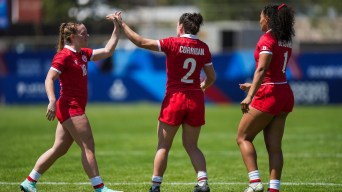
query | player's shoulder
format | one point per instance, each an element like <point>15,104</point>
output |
<point>87,50</point>
<point>167,39</point>
<point>267,38</point>
<point>202,43</point>
<point>62,55</point>
<point>64,52</point>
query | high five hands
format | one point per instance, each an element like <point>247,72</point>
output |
<point>116,16</point>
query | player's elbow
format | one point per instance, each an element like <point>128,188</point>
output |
<point>213,78</point>
<point>139,44</point>
<point>142,43</point>
<point>148,44</point>
<point>261,70</point>
<point>108,52</point>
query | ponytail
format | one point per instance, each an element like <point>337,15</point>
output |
<point>60,44</point>
<point>281,21</point>
<point>65,31</point>
<point>286,22</point>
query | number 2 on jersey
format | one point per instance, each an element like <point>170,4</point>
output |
<point>190,72</point>
<point>286,54</point>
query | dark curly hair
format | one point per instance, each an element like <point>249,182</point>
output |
<point>281,21</point>
<point>191,22</point>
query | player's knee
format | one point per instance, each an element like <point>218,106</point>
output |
<point>88,145</point>
<point>189,147</point>
<point>239,139</point>
<point>60,151</point>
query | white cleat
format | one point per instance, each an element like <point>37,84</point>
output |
<point>105,189</point>
<point>254,187</point>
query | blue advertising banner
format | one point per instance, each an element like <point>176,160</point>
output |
<point>4,19</point>
<point>138,75</point>
<point>25,89</point>
<point>320,65</point>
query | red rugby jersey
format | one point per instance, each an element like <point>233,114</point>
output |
<point>281,52</point>
<point>185,57</point>
<point>72,67</point>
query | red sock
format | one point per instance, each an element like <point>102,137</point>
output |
<point>98,186</point>
<point>255,181</point>
<point>30,179</point>
<point>272,190</point>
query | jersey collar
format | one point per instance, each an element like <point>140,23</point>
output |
<point>70,48</point>
<point>191,36</point>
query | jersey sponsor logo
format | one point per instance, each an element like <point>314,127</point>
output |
<point>84,58</point>
<point>191,50</point>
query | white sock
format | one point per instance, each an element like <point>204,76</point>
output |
<point>254,176</point>
<point>156,181</point>
<point>96,181</point>
<point>274,184</point>
<point>34,175</point>
<point>202,178</point>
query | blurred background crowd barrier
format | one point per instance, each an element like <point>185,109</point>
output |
<point>29,32</point>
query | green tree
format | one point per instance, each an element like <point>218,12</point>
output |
<point>56,11</point>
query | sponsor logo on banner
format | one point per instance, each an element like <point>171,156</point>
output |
<point>31,90</point>
<point>308,92</point>
<point>118,90</point>
<point>325,72</point>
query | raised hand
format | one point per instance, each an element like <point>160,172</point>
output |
<point>116,16</point>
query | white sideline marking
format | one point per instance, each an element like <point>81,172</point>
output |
<point>226,153</point>
<point>173,183</point>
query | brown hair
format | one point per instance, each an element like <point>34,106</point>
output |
<point>191,22</point>
<point>65,31</point>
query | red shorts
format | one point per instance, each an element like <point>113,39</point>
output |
<point>69,107</point>
<point>183,107</point>
<point>274,99</point>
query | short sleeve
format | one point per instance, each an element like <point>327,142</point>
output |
<point>266,44</point>
<point>165,45</point>
<point>59,62</point>
<point>88,52</point>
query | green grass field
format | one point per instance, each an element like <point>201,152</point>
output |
<point>125,137</point>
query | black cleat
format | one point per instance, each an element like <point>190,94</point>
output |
<point>156,189</point>
<point>22,189</point>
<point>204,188</point>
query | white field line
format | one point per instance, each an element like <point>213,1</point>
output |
<point>227,153</point>
<point>175,183</point>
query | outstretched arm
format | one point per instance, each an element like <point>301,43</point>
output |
<point>107,51</point>
<point>138,40</point>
